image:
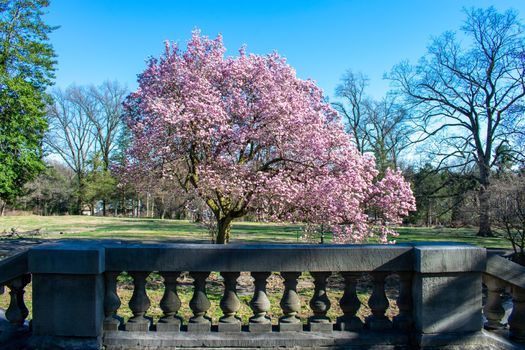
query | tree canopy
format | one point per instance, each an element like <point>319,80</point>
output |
<point>245,135</point>
<point>26,70</point>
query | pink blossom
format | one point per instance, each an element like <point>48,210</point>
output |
<point>247,136</point>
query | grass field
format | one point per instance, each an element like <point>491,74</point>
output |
<point>156,229</point>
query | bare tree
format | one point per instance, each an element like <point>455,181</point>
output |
<point>468,97</point>
<point>103,106</point>
<point>352,91</point>
<point>107,100</point>
<point>379,127</point>
<point>508,204</point>
<point>388,130</point>
<point>71,135</point>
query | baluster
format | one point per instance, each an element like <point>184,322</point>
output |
<point>139,304</point>
<point>199,304</point>
<point>403,320</point>
<point>260,304</point>
<point>111,302</point>
<point>350,304</point>
<point>169,304</point>
<point>320,304</point>
<point>493,309</point>
<point>17,311</point>
<point>517,317</point>
<point>230,304</point>
<point>378,303</point>
<point>290,304</point>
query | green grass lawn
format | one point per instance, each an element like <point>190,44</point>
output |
<point>156,229</point>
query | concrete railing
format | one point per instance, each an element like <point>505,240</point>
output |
<point>75,300</point>
<point>501,276</point>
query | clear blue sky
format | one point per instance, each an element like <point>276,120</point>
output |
<point>109,39</point>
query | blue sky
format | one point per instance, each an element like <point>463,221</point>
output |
<point>102,39</point>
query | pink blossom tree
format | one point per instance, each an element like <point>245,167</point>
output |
<point>246,135</point>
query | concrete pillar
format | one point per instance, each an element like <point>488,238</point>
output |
<point>68,295</point>
<point>446,292</point>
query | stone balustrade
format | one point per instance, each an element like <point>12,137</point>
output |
<point>75,300</point>
<point>504,275</point>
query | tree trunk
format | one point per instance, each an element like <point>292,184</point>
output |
<point>484,203</point>
<point>2,208</point>
<point>103,207</point>
<point>147,204</point>
<point>152,210</point>
<point>224,226</point>
<point>80,194</point>
<point>79,206</point>
<point>484,213</point>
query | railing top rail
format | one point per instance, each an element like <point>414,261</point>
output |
<point>254,257</point>
<point>92,257</point>
<point>506,271</point>
<point>12,267</point>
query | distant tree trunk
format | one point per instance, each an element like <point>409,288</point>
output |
<point>80,184</point>
<point>78,209</point>
<point>152,209</point>
<point>484,203</point>
<point>223,230</point>
<point>103,207</point>
<point>137,207</point>
<point>429,214</point>
<point>484,213</point>
<point>147,204</point>
<point>2,208</point>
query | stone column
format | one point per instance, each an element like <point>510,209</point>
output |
<point>403,321</point>
<point>320,304</point>
<point>170,304</point>
<point>517,317</point>
<point>290,304</point>
<point>260,304</point>
<point>350,304</point>
<point>493,309</point>
<point>111,302</point>
<point>230,304</point>
<point>17,311</point>
<point>139,304</point>
<point>378,304</point>
<point>446,291</point>
<point>199,304</point>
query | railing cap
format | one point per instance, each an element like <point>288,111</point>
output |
<point>13,267</point>
<point>447,258</point>
<point>67,257</point>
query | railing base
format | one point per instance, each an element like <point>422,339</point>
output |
<point>12,338</point>
<point>247,340</point>
<point>500,340</point>
<point>389,340</point>
<point>63,343</point>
